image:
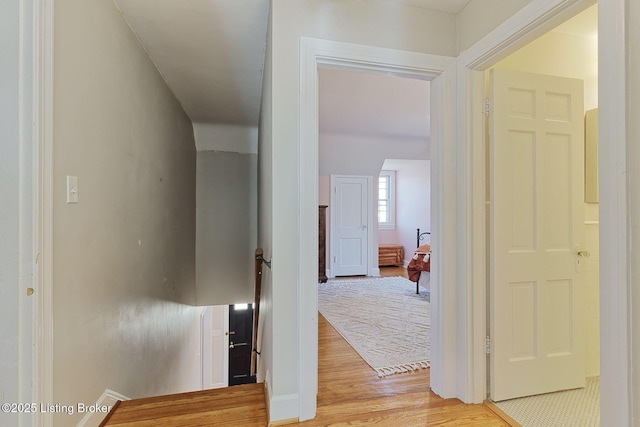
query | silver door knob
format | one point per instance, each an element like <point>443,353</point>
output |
<point>231,345</point>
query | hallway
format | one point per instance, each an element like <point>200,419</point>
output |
<point>349,392</point>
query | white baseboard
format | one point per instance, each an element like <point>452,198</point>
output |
<point>280,408</point>
<point>107,400</point>
<point>374,272</point>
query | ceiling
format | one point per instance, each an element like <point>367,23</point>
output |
<point>373,104</point>
<point>211,54</point>
<point>449,6</point>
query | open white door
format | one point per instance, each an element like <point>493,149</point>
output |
<point>350,205</point>
<point>215,345</point>
<point>537,220</point>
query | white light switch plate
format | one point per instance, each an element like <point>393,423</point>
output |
<point>72,189</point>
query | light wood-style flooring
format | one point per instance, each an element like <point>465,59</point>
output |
<point>349,394</point>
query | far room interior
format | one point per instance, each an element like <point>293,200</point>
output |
<point>377,126</point>
<point>374,194</point>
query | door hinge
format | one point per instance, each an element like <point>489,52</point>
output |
<point>487,345</point>
<point>487,107</point>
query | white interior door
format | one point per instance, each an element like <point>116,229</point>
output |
<point>537,227</point>
<point>350,207</point>
<point>215,347</point>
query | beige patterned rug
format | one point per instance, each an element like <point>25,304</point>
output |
<point>383,319</point>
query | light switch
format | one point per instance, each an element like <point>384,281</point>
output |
<point>72,189</point>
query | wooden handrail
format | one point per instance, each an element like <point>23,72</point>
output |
<point>259,259</point>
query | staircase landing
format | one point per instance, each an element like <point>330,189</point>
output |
<point>233,406</point>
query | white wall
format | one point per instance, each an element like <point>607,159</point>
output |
<point>480,17</point>
<point>413,210</point>
<point>365,155</point>
<point>560,54</point>
<point>226,227</point>
<point>360,155</point>
<point>376,23</point>
<point>573,56</point>
<point>413,204</point>
<point>124,256</point>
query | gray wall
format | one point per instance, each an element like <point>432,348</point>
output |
<point>124,256</point>
<point>16,192</point>
<point>226,227</point>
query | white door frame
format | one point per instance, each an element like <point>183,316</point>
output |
<point>43,211</point>
<point>371,271</point>
<point>440,71</point>
<point>529,23</point>
<point>22,105</point>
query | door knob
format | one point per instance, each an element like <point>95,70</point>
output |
<point>584,254</point>
<point>231,345</point>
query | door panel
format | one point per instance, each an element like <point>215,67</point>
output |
<point>350,213</point>
<point>240,336</point>
<point>537,220</point>
<point>215,344</point>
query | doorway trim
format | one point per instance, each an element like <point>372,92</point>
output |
<point>42,373</point>
<point>440,71</point>
<point>533,20</point>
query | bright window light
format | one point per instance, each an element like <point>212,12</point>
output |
<point>386,200</point>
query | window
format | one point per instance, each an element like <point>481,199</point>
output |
<point>387,200</point>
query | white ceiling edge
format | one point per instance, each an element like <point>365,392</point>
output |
<point>224,137</point>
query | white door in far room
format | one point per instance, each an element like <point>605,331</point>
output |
<point>350,225</point>
<point>537,227</point>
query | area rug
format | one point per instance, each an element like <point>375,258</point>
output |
<point>383,319</point>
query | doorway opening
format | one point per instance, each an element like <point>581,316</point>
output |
<point>374,174</point>
<point>318,54</point>
<point>373,127</point>
<point>226,334</point>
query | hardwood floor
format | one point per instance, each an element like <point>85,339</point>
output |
<point>242,405</point>
<point>349,394</point>
<point>393,271</point>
